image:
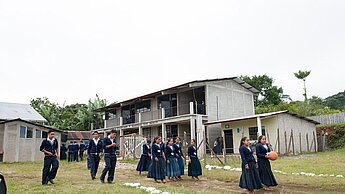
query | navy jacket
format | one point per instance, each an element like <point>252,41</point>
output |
<point>169,153</point>
<point>70,148</point>
<point>146,150</point>
<point>93,148</point>
<point>82,147</point>
<point>106,142</point>
<point>246,155</point>
<point>46,145</point>
<point>261,151</point>
<point>192,151</point>
<point>178,150</point>
<point>75,147</point>
<point>157,151</point>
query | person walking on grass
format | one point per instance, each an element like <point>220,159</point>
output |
<point>250,178</point>
<point>82,148</point>
<point>265,171</point>
<point>179,156</point>
<point>172,167</point>
<point>194,166</point>
<point>145,159</point>
<point>50,148</point>
<point>94,152</point>
<point>109,147</point>
<point>157,169</point>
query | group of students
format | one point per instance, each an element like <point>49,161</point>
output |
<point>166,161</point>
<point>75,151</point>
<point>256,175</point>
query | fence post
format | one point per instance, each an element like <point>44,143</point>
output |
<point>300,142</point>
<point>307,141</point>
<point>278,140</point>
<point>286,148</point>
<point>315,147</point>
<point>224,146</point>
<point>293,143</point>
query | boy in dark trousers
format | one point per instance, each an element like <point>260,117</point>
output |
<point>95,152</point>
<point>50,148</point>
<point>82,148</point>
<point>109,147</point>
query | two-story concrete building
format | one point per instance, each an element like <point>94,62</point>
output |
<point>182,109</point>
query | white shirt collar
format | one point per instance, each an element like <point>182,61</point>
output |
<point>96,140</point>
<point>51,141</point>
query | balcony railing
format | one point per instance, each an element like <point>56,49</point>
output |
<point>183,109</point>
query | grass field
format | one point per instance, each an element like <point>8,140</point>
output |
<point>75,178</point>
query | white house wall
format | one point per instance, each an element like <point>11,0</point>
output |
<point>288,122</point>
<point>233,101</point>
<point>270,124</point>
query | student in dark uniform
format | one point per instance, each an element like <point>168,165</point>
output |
<point>75,151</point>
<point>82,148</point>
<point>250,178</point>
<point>179,156</point>
<point>265,172</point>
<point>95,152</point>
<point>194,166</point>
<point>63,151</point>
<point>70,149</point>
<point>172,167</point>
<point>50,148</point>
<point>109,147</point>
<point>158,161</point>
<point>145,158</point>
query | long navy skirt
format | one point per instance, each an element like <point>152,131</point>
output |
<point>194,167</point>
<point>144,163</point>
<point>172,168</point>
<point>250,179</point>
<point>157,170</point>
<point>180,163</point>
<point>265,172</point>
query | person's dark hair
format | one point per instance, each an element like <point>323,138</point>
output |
<point>75,141</point>
<point>260,137</point>
<point>148,141</point>
<point>95,132</point>
<point>113,131</point>
<point>50,131</point>
<point>81,141</point>
<point>156,138</point>
<point>242,140</point>
<point>176,139</point>
<point>169,139</point>
<point>193,140</point>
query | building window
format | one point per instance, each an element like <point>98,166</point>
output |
<point>172,131</point>
<point>110,115</point>
<point>22,131</point>
<point>144,106</point>
<point>29,132</point>
<point>147,132</point>
<point>38,134</point>
<point>44,134</point>
<point>253,132</point>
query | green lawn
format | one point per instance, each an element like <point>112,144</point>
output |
<point>74,177</point>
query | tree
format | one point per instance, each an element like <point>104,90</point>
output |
<point>268,93</point>
<point>303,75</point>
<point>336,101</point>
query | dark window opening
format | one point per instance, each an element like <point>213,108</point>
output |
<point>253,132</point>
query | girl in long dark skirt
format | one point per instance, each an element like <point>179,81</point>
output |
<point>250,178</point>
<point>194,166</point>
<point>172,167</point>
<point>145,158</point>
<point>265,172</point>
<point>179,156</point>
<point>157,171</point>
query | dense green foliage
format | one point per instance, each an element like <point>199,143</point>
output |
<point>70,117</point>
<point>336,101</point>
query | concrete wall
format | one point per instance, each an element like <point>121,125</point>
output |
<point>288,122</point>
<point>224,100</point>
<point>271,125</point>
<point>2,132</point>
<point>18,149</point>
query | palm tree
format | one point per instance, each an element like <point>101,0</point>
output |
<point>303,75</point>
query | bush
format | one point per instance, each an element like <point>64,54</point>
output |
<point>336,135</point>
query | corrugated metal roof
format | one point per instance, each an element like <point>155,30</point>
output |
<point>9,111</point>
<point>78,135</point>
<point>263,115</point>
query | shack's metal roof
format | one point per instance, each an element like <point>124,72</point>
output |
<point>10,111</point>
<point>236,79</point>
<point>78,135</point>
<point>263,115</point>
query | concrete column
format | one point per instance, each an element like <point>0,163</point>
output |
<point>200,135</point>
<point>192,128</point>
<point>139,119</point>
<point>258,122</point>
<point>121,121</point>
<point>140,130</point>
<point>163,113</point>
<point>122,142</point>
<point>164,133</point>
<point>191,108</point>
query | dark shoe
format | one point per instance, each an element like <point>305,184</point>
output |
<point>44,184</point>
<point>102,181</point>
<point>51,181</point>
<point>93,178</point>
<point>110,182</point>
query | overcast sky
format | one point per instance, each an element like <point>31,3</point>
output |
<point>71,50</point>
